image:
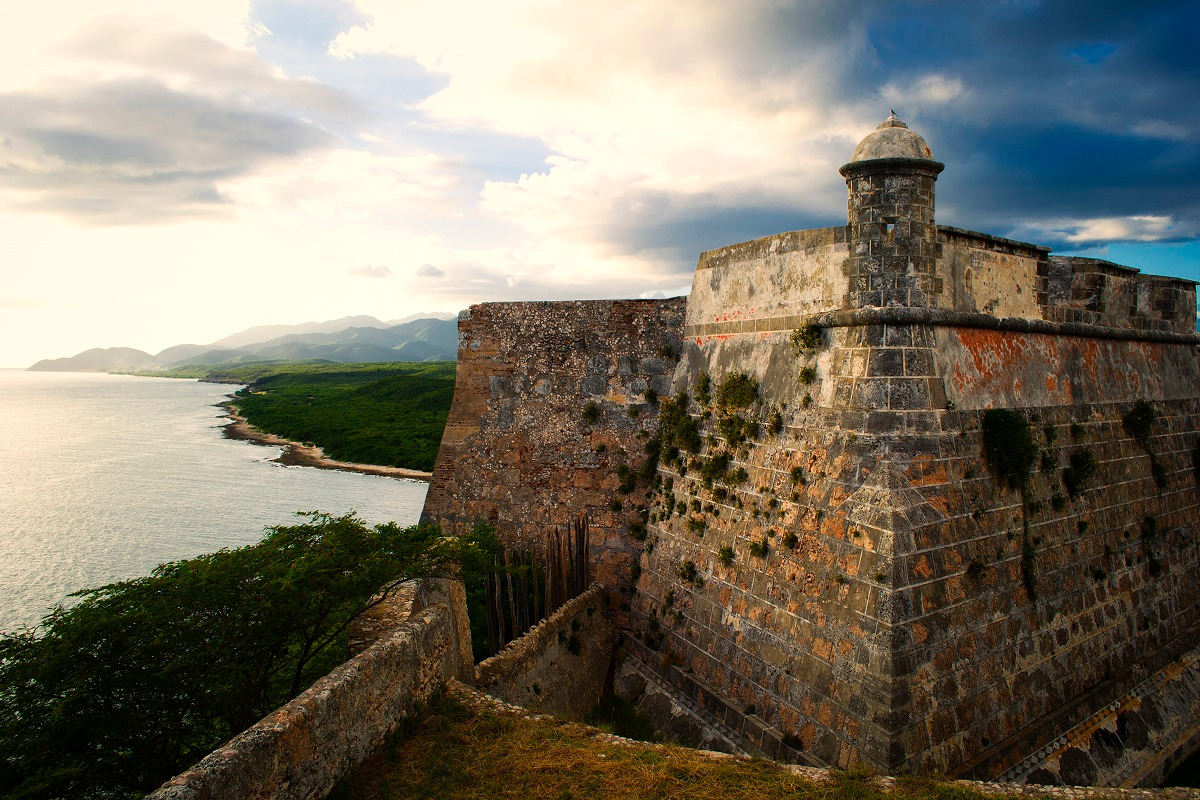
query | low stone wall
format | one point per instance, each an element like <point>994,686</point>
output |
<point>302,749</point>
<point>559,667</point>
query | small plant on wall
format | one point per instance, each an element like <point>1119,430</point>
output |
<point>1075,477</point>
<point>807,337</point>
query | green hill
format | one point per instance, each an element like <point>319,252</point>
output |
<point>386,414</point>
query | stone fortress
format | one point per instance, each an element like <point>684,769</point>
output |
<point>799,503</point>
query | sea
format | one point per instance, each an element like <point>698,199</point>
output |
<point>104,477</point>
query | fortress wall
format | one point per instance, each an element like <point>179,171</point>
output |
<point>299,751</point>
<point>1097,292</point>
<point>517,451</point>
<point>798,639</point>
<point>994,675</point>
<point>787,275</point>
<point>1001,369</point>
<point>989,275</point>
<point>866,639</point>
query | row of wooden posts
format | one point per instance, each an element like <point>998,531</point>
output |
<point>530,584</point>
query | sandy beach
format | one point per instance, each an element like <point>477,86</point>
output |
<point>296,454</point>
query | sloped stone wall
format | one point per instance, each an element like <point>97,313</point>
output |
<point>896,629</point>
<point>518,451</point>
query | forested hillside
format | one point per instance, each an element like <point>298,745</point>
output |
<point>386,414</point>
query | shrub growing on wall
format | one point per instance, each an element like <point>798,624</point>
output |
<point>1008,446</point>
<point>738,390</point>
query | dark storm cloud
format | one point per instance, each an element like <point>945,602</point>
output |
<point>131,151</point>
<point>1070,110</point>
<point>1064,111</point>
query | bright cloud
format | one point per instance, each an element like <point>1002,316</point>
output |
<point>1138,228</point>
<point>649,112</point>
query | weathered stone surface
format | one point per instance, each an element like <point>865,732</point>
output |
<point>558,667</point>
<point>528,462</point>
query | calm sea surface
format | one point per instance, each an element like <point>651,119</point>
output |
<point>104,477</point>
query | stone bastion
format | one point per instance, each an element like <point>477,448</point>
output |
<point>791,508</point>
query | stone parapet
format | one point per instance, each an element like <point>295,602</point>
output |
<point>301,750</point>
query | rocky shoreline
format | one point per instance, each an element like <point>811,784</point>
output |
<point>296,454</point>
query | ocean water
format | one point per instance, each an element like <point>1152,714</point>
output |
<point>104,477</point>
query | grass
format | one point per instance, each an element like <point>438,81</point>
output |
<point>452,751</point>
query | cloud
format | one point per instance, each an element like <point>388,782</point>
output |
<point>158,130</point>
<point>429,271</point>
<point>372,271</point>
<point>928,90</point>
<point>1091,232</point>
<point>192,61</point>
<point>132,151</point>
<point>650,115</point>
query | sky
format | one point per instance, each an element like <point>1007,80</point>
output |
<point>174,172</point>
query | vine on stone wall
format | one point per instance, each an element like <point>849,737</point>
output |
<point>1139,423</point>
<point>1010,452</point>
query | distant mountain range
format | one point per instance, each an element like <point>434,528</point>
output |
<point>420,337</point>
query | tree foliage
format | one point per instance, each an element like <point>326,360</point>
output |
<point>142,678</point>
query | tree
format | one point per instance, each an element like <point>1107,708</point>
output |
<point>142,678</point>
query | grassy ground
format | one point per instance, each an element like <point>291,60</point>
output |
<point>452,751</point>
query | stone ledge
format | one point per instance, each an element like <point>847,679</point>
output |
<point>938,318</point>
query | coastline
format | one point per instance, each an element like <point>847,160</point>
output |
<point>296,454</point>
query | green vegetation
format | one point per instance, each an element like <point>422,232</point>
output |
<point>388,414</point>
<point>677,430</point>
<point>976,570</point>
<point>806,337</point>
<point>1008,446</point>
<point>1075,477</point>
<point>454,752</point>
<point>1139,422</point>
<point>142,678</point>
<point>738,390</point>
<point>1010,453</point>
<point>725,555</point>
<point>591,413</point>
<point>704,389</point>
<point>737,429</point>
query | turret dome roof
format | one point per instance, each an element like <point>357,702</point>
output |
<point>892,139</point>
